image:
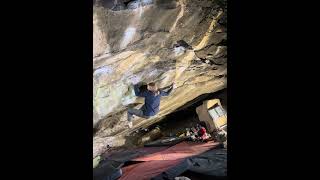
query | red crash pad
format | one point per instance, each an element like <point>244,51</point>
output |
<point>156,163</point>
<point>179,151</point>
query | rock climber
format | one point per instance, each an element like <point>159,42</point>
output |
<point>151,102</point>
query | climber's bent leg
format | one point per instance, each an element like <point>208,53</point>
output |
<point>137,112</point>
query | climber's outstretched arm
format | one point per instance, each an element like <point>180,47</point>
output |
<point>167,93</point>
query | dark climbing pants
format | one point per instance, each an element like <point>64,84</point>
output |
<point>137,112</point>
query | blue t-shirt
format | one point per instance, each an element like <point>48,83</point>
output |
<point>151,101</point>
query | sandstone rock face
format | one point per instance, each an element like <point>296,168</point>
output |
<point>153,40</point>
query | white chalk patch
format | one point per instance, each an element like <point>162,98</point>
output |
<point>138,3</point>
<point>127,37</point>
<point>134,79</point>
<point>179,50</point>
<point>103,70</point>
<point>146,2</point>
<point>134,4</point>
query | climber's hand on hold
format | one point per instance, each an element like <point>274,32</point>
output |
<point>138,84</point>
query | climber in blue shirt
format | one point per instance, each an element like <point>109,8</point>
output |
<point>151,102</point>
